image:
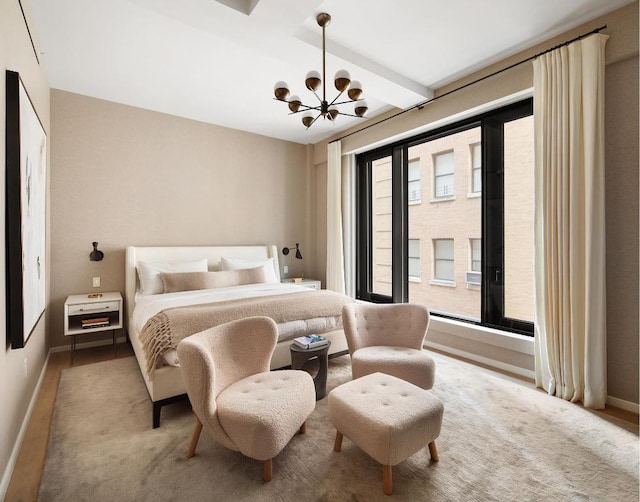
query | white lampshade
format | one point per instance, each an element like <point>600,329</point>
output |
<point>361,108</point>
<point>342,80</point>
<point>307,118</point>
<point>313,80</point>
<point>281,90</point>
<point>355,90</point>
<point>294,103</point>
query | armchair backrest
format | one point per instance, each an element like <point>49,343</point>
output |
<point>398,324</point>
<point>217,357</point>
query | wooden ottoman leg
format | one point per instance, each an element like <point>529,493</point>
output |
<point>194,438</point>
<point>303,427</point>
<point>387,480</point>
<point>267,470</point>
<point>337,446</point>
<point>433,451</point>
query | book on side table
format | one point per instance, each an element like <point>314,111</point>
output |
<point>310,341</point>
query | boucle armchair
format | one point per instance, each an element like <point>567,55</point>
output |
<point>388,338</point>
<point>240,403</point>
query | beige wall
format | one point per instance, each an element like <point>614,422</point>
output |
<point>16,53</point>
<point>621,171</point>
<point>126,176</point>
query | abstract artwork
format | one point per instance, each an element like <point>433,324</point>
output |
<point>26,196</point>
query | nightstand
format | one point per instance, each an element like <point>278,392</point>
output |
<point>306,283</point>
<point>92,313</point>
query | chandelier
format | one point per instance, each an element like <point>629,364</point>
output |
<point>326,110</point>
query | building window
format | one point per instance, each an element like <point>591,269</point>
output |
<point>414,181</point>
<point>414,260</point>
<point>476,168</point>
<point>443,175</point>
<point>443,269</point>
<point>476,257</point>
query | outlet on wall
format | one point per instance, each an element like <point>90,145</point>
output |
<point>26,367</point>
<point>286,269</point>
<point>96,282</point>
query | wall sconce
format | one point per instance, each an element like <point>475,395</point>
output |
<point>285,251</point>
<point>96,254</point>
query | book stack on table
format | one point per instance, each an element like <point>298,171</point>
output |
<point>97,322</point>
<point>310,341</point>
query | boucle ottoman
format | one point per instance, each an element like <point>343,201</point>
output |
<point>388,418</point>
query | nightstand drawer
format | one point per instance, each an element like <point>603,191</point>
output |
<point>92,308</point>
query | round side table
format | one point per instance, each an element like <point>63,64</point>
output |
<point>300,356</point>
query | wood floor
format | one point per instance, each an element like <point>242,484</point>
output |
<point>25,480</point>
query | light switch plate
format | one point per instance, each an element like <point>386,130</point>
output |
<point>96,282</point>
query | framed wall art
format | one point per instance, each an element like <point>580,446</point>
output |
<point>25,225</point>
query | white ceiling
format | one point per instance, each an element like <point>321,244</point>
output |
<point>217,60</point>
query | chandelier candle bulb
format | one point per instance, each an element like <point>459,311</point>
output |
<point>281,90</point>
<point>342,80</point>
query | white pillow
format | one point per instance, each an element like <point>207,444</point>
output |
<point>234,264</point>
<point>149,273</point>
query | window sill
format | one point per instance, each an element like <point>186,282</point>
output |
<point>489,336</point>
<point>474,195</point>
<point>415,202</point>
<point>446,284</point>
<point>414,279</point>
<point>475,287</point>
<point>435,200</point>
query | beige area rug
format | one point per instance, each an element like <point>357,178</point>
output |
<point>500,441</point>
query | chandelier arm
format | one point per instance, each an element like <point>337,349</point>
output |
<point>306,108</point>
<point>347,102</point>
<point>336,98</point>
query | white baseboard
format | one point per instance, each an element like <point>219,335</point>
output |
<point>11,464</point>
<point>516,370</point>
<point>623,405</point>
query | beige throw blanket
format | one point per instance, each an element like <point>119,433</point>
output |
<point>165,330</point>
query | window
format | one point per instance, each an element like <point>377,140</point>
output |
<point>476,168</point>
<point>475,255</point>
<point>443,175</point>
<point>443,260</point>
<point>414,181</point>
<point>414,259</point>
<point>495,153</point>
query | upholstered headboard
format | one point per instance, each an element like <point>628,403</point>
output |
<point>135,254</point>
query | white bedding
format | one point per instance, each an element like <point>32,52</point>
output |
<point>146,306</point>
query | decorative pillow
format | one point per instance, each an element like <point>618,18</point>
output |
<point>149,273</point>
<point>235,264</point>
<point>192,281</point>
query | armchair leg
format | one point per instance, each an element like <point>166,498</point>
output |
<point>303,427</point>
<point>195,438</point>
<point>337,446</point>
<point>387,480</point>
<point>267,470</point>
<point>433,451</point>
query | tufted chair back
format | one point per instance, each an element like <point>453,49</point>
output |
<point>220,356</point>
<point>396,324</point>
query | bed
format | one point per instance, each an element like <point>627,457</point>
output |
<point>144,304</point>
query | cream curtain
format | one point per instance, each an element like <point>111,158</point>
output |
<point>335,253</point>
<point>570,328</point>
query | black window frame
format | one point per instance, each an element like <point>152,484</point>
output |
<point>492,209</point>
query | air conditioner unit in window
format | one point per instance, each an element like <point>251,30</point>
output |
<point>473,278</point>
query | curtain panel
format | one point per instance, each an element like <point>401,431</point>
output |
<point>570,327</point>
<point>335,248</point>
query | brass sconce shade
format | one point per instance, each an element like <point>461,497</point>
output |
<point>285,251</point>
<point>96,254</point>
